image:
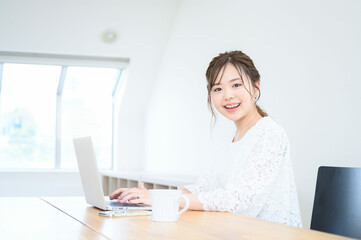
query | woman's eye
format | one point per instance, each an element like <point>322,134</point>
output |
<point>217,89</point>
<point>237,85</point>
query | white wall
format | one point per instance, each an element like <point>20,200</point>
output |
<point>75,28</point>
<point>309,56</point>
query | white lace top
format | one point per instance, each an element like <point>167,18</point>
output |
<point>254,177</point>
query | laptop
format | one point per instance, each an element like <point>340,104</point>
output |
<point>90,178</point>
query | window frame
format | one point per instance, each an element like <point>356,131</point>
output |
<point>65,61</point>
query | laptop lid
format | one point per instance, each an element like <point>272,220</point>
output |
<point>89,173</point>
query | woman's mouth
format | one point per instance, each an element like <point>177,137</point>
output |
<point>232,107</point>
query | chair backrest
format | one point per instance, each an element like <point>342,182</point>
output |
<point>337,204</point>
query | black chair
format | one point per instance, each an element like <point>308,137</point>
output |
<point>337,205</point>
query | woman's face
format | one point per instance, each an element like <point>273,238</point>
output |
<point>231,96</point>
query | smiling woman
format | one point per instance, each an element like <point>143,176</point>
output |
<point>234,89</point>
<point>254,177</point>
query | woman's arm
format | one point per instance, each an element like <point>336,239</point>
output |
<point>248,191</point>
<point>185,191</point>
<point>204,183</point>
<point>141,195</point>
<point>194,203</point>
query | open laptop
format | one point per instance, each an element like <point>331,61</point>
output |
<point>90,178</point>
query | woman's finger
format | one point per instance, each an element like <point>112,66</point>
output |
<point>125,194</point>
<point>127,191</point>
<point>144,200</point>
<point>116,193</point>
<point>137,200</point>
<point>130,196</point>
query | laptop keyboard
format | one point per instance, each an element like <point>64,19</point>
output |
<point>119,204</point>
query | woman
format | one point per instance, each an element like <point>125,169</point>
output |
<point>255,176</point>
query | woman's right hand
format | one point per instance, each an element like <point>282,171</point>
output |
<point>133,195</point>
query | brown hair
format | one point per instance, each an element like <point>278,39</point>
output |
<point>242,63</point>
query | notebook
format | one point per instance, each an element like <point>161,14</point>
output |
<point>90,178</point>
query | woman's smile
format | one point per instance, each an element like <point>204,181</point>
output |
<point>232,107</point>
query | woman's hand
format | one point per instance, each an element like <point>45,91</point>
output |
<point>133,195</point>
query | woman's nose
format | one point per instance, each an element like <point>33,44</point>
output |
<point>228,95</point>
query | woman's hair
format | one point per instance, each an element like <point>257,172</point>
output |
<point>243,64</point>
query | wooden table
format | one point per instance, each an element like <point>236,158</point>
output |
<point>33,218</point>
<point>72,218</point>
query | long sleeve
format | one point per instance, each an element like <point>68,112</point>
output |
<point>204,183</point>
<point>254,179</point>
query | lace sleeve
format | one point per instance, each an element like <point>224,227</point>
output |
<point>248,191</point>
<point>203,183</point>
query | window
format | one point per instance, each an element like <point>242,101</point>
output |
<point>87,94</point>
<point>46,100</point>
<point>28,113</point>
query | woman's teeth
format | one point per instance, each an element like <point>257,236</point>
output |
<point>232,106</point>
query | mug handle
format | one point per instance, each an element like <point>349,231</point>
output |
<point>186,199</point>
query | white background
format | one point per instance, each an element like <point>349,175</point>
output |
<point>307,52</point>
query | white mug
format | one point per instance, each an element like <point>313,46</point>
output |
<point>165,204</point>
